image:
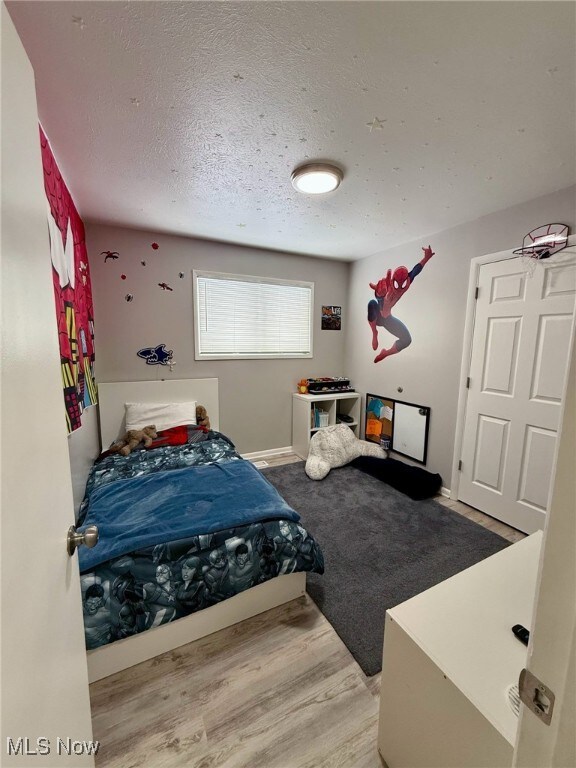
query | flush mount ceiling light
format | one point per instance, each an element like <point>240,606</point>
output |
<point>316,178</point>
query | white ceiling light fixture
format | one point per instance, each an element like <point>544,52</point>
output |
<point>317,178</point>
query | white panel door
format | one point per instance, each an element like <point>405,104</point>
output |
<point>46,707</point>
<point>520,352</point>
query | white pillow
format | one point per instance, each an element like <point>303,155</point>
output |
<point>162,415</point>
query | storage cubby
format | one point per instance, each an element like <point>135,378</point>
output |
<point>348,407</point>
<point>303,422</point>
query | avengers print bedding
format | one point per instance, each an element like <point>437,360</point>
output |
<point>182,527</point>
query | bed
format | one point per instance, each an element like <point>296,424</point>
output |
<point>193,538</point>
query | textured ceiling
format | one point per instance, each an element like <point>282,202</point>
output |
<point>189,117</point>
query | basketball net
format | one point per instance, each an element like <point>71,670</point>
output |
<point>541,243</point>
<point>528,261</point>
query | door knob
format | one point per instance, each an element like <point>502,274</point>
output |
<point>88,537</point>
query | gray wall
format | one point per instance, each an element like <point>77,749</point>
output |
<point>434,311</point>
<point>255,395</point>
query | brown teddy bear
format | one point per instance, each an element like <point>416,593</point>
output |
<point>202,419</point>
<point>134,437</point>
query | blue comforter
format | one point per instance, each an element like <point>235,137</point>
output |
<point>182,528</point>
<point>165,506</point>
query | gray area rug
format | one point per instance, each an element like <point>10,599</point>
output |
<point>380,548</point>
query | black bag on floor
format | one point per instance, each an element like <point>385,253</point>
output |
<point>413,481</point>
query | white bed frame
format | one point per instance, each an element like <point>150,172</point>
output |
<point>113,396</point>
<point>122,654</point>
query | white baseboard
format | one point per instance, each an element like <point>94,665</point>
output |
<point>265,454</point>
<point>445,492</point>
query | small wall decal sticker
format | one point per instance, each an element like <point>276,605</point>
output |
<point>156,355</point>
<point>376,124</point>
<point>165,287</point>
<point>122,277</point>
<point>331,318</point>
<point>388,291</point>
<point>143,263</point>
<point>110,255</point>
<point>129,297</point>
<point>155,246</point>
<point>180,275</point>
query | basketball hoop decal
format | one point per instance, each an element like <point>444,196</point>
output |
<point>543,241</point>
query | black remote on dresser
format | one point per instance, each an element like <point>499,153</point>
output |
<point>521,633</point>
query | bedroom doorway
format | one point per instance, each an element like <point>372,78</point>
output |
<point>517,348</point>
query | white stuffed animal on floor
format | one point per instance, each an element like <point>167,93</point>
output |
<point>333,447</point>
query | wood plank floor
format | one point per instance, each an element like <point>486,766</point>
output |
<point>279,690</point>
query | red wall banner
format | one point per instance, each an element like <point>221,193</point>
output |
<point>72,292</point>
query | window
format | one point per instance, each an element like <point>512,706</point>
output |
<point>239,316</point>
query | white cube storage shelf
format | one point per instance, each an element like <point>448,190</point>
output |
<point>331,404</point>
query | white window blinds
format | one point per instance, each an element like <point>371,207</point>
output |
<point>242,316</point>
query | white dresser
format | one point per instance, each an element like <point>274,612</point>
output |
<point>449,658</point>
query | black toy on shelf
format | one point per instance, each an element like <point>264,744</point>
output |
<point>327,385</point>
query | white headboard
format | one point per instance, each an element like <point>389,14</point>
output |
<point>113,395</point>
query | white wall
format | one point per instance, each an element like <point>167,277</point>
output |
<point>83,448</point>
<point>255,395</point>
<point>434,309</point>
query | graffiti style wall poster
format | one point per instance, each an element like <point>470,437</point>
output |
<point>72,291</point>
<point>388,291</point>
<point>331,318</point>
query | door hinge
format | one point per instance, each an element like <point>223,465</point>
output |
<point>536,696</point>
<point>468,383</point>
<point>460,466</point>
<point>477,292</point>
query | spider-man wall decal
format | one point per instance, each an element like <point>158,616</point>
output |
<point>388,291</point>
